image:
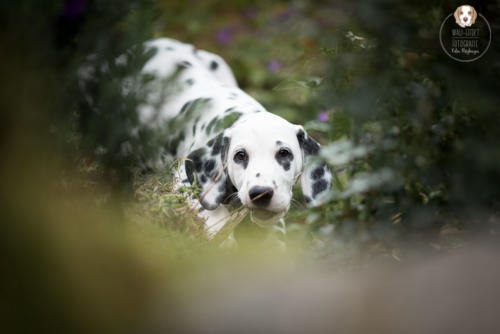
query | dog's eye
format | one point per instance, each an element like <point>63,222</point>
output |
<point>284,153</point>
<point>240,156</point>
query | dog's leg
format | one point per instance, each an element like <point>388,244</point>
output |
<point>214,219</point>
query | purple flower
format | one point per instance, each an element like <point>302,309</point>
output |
<point>224,36</point>
<point>274,65</point>
<point>323,116</point>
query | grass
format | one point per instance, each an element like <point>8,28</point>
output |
<point>158,203</point>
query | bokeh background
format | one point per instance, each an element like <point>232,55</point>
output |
<point>91,242</point>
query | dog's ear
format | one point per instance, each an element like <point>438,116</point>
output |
<point>206,167</point>
<point>474,16</point>
<point>316,174</point>
<point>457,15</point>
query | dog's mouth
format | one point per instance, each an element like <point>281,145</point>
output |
<point>264,217</point>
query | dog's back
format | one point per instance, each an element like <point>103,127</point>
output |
<point>193,92</point>
<point>170,54</point>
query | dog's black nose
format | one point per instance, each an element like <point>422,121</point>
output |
<point>261,196</point>
<point>465,19</point>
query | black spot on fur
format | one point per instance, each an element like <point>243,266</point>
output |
<point>232,96</point>
<point>209,166</point>
<point>225,147</point>
<point>279,143</point>
<point>194,129</point>
<point>211,125</point>
<point>194,163</point>
<point>222,188</point>
<point>184,64</point>
<point>257,175</point>
<point>308,145</point>
<point>151,52</point>
<point>318,173</point>
<point>258,110</point>
<point>229,109</point>
<point>318,187</point>
<point>190,82</point>
<point>196,159</point>
<point>169,48</point>
<point>213,65</point>
<point>185,107</point>
<point>203,179</point>
<point>217,145</point>
<point>308,199</point>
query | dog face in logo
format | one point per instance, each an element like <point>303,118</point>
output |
<point>465,16</point>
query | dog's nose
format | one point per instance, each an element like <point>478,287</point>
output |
<point>261,196</point>
<point>465,19</point>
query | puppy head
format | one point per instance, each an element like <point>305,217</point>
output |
<point>258,161</point>
<point>465,16</point>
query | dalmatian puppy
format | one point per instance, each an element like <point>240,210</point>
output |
<point>465,16</point>
<point>232,149</point>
